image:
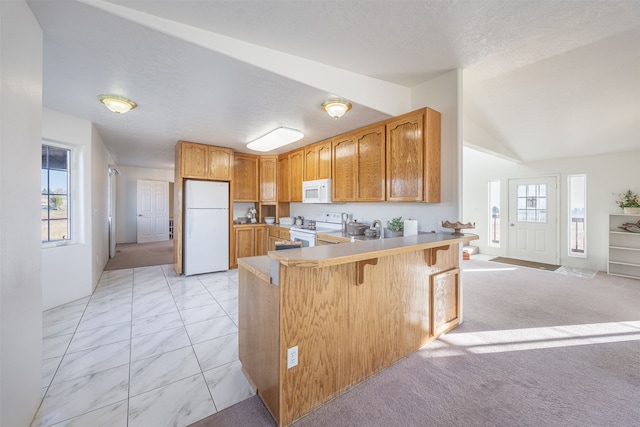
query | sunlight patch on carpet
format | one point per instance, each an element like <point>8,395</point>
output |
<point>484,342</point>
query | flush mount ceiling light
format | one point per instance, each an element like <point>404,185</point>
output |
<point>117,104</point>
<point>275,139</point>
<point>336,107</point>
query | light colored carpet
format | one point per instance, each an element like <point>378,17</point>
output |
<point>536,348</point>
<point>133,255</point>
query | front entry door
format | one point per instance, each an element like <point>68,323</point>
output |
<point>153,211</point>
<point>533,219</point>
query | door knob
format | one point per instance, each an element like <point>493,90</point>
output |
<point>143,215</point>
<point>512,224</point>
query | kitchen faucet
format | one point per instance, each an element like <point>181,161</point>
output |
<point>380,230</point>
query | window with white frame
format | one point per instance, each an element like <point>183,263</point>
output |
<point>55,197</point>
<point>577,203</point>
<point>494,213</point>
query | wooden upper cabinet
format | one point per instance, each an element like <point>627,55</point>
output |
<point>268,179</point>
<point>343,186</point>
<point>194,160</point>
<point>413,157</point>
<point>245,178</point>
<point>432,156</point>
<point>220,161</point>
<point>310,163</point>
<point>283,178</point>
<point>324,159</point>
<point>405,158</point>
<point>296,168</point>
<point>317,161</point>
<point>370,144</point>
<point>244,243</point>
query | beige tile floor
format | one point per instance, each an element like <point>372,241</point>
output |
<point>148,348</point>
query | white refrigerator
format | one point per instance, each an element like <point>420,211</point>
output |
<point>206,227</point>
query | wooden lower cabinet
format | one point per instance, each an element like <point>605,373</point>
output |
<point>444,300</point>
<point>276,234</point>
<point>348,321</point>
<point>249,240</point>
<point>261,241</point>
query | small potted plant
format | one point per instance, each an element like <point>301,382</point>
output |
<point>395,227</point>
<point>629,202</point>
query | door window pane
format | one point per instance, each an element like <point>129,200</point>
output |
<point>532,203</point>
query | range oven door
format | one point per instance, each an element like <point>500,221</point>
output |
<point>308,240</point>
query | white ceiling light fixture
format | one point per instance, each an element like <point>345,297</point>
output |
<point>336,107</point>
<point>275,139</point>
<point>117,104</point>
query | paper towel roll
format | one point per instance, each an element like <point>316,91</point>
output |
<point>410,227</point>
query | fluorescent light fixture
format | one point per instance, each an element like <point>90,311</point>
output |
<point>336,107</point>
<point>275,139</point>
<point>117,104</point>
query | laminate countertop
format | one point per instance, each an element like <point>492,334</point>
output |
<point>327,255</point>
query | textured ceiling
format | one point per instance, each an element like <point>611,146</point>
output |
<point>541,79</point>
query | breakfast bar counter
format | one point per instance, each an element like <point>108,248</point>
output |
<point>314,322</point>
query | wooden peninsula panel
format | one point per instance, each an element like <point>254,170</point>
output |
<point>350,309</point>
<point>314,306</point>
<point>259,333</point>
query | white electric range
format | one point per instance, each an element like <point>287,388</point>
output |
<point>325,222</point>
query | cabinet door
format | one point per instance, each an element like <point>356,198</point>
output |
<point>296,167</point>
<point>271,245</point>
<point>245,243</point>
<point>323,154</point>
<point>194,160</point>
<point>260,241</point>
<point>284,233</point>
<point>317,161</point>
<point>268,166</point>
<point>445,304</point>
<point>371,165</point>
<point>344,165</point>
<point>284,192</point>
<point>405,158</point>
<point>310,163</point>
<point>245,178</point>
<point>220,162</point>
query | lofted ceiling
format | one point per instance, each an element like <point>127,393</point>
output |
<point>540,79</point>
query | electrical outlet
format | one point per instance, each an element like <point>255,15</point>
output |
<point>292,357</point>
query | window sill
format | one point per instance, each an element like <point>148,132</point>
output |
<point>51,245</point>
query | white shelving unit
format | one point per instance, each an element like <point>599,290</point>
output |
<point>624,247</point>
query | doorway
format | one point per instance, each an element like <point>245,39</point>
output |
<point>153,211</point>
<point>533,219</point>
<point>111,208</point>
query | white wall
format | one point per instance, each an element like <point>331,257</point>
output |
<point>441,94</point>
<point>20,148</point>
<point>69,272</point>
<point>126,198</point>
<point>606,174</point>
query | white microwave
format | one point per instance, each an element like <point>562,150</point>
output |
<point>317,191</point>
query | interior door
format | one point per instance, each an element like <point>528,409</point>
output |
<point>533,219</point>
<point>153,211</point>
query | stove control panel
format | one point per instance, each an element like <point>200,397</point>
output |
<point>329,217</point>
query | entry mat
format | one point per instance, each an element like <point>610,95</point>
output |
<point>523,263</point>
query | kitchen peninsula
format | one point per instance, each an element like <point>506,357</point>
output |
<point>314,322</point>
